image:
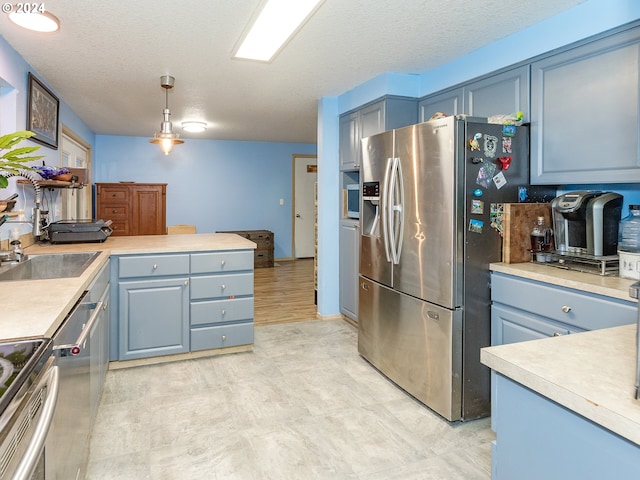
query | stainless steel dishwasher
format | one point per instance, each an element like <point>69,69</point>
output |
<point>67,446</point>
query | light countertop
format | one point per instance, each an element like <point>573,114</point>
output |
<point>610,286</point>
<point>590,373</point>
<point>36,308</point>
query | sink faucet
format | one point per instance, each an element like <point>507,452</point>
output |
<point>39,220</point>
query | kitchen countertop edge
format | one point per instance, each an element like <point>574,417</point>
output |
<point>610,286</point>
<point>596,381</point>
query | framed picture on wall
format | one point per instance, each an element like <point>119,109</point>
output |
<point>42,113</point>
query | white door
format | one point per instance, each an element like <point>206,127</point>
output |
<point>76,203</point>
<point>304,180</point>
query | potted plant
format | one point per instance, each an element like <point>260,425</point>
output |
<point>13,160</point>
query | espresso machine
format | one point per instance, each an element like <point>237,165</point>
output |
<point>585,223</point>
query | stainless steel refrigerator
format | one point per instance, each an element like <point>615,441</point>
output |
<point>430,223</point>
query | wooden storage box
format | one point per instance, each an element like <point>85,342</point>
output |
<point>263,254</point>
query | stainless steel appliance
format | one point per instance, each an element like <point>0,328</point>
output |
<point>28,396</point>
<point>586,222</point>
<point>67,446</point>
<point>430,216</point>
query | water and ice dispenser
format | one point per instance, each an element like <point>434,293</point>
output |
<point>371,209</point>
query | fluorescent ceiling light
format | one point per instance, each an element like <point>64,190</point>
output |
<point>36,21</point>
<point>194,127</point>
<point>276,23</point>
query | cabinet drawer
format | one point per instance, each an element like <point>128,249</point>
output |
<point>111,212</point>
<point>153,265</point>
<point>221,336</point>
<point>510,325</point>
<point>214,262</point>
<point>220,311</point>
<point>229,285</point>
<point>114,194</point>
<point>581,309</point>
<point>120,227</point>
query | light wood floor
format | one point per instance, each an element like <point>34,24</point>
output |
<point>284,293</point>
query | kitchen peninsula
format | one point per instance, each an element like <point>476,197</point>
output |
<point>564,407</point>
<point>36,308</point>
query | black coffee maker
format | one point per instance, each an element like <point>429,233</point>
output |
<point>585,223</point>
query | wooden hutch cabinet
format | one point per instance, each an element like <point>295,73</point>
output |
<point>134,208</point>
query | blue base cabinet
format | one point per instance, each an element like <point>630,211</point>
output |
<point>221,300</point>
<point>523,309</point>
<point>166,304</point>
<point>539,439</point>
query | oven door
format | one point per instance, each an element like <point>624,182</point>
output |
<point>25,424</point>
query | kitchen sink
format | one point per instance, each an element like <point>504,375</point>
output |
<point>48,266</point>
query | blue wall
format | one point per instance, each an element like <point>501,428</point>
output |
<point>215,185</point>
<point>13,116</point>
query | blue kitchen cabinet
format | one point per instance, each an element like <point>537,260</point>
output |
<point>523,309</point>
<point>221,298</point>
<point>181,302</point>
<point>504,92</point>
<point>584,113</point>
<point>385,114</point>
<point>538,438</point>
<point>153,305</point>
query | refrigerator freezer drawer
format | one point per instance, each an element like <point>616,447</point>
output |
<point>414,343</point>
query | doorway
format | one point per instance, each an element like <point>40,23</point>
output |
<point>303,208</point>
<point>76,155</point>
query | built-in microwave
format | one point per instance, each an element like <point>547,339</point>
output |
<point>353,201</point>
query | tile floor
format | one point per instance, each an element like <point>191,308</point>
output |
<point>302,405</point>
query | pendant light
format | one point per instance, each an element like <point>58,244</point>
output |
<point>166,138</point>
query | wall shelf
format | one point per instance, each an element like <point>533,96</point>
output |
<point>53,184</point>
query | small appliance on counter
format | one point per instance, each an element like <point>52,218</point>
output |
<point>586,222</point>
<point>585,228</point>
<point>79,231</point>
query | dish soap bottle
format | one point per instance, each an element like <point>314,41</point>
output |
<point>541,240</point>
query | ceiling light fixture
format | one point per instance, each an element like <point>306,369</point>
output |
<point>38,21</point>
<point>276,23</point>
<point>194,127</point>
<point>166,138</point>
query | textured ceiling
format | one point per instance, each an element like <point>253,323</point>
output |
<point>107,58</point>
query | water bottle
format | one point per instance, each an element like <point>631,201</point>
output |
<point>629,231</point>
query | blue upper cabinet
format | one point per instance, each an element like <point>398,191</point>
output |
<point>584,113</point>
<point>501,93</point>
<point>385,114</point>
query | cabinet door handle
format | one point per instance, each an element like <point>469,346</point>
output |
<point>224,338</point>
<point>223,286</point>
<point>186,282</point>
<point>155,266</point>
<point>223,312</point>
<point>557,334</point>
<point>566,308</point>
<point>222,263</point>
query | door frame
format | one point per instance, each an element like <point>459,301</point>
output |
<point>86,190</point>
<point>293,198</point>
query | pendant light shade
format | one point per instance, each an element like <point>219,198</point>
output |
<point>166,138</point>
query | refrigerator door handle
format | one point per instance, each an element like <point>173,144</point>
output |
<point>395,216</point>
<point>386,200</point>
